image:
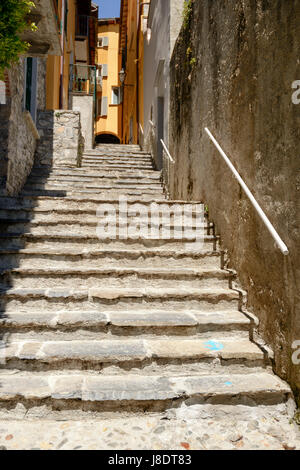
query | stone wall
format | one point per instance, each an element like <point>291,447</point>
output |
<point>61,140</point>
<point>232,70</point>
<point>22,134</point>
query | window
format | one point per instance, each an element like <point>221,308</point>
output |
<point>30,86</point>
<point>104,103</point>
<point>104,70</point>
<point>116,95</point>
<point>66,16</point>
<point>103,41</point>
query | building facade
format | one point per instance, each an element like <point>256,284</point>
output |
<point>164,21</point>
<point>109,91</point>
<point>132,33</point>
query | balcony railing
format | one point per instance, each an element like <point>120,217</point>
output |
<point>83,79</point>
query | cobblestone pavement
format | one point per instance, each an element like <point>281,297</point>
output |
<point>199,427</point>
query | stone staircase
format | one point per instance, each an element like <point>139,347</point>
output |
<point>117,325</point>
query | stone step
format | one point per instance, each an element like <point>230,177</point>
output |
<point>117,162</point>
<point>123,323</point>
<point>90,204</point>
<point>114,228</point>
<point>127,157</point>
<point>119,152</point>
<point>116,166</point>
<point>12,218</point>
<point>40,236</point>
<point>100,393</point>
<point>128,353</point>
<point>106,178</point>
<point>126,153</point>
<point>58,172</point>
<point>208,298</point>
<point>97,186</point>
<point>60,257</point>
<point>114,192</point>
<point>88,277</point>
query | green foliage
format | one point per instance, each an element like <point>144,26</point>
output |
<point>187,13</point>
<point>13,21</point>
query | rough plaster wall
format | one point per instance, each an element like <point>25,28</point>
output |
<point>247,56</point>
<point>21,138</point>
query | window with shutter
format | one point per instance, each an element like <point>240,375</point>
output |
<point>104,70</point>
<point>105,41</point>
<point>104,106</point>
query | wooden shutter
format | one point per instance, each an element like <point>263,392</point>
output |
<point>105,41</point>
<point>104,106</point>
<point>104,70</point>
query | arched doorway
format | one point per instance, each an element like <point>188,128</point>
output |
<point>107,139</point>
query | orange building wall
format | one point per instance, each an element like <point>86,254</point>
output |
<point>112,124</point>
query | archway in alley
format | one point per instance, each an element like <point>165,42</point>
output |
<point>107,139</point>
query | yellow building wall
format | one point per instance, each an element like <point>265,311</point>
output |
<point>53,62</point>
<point>111,124</point>
<point>130,134</point>
<point>133,90</point>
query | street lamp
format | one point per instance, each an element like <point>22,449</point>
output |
<point>122,75</point>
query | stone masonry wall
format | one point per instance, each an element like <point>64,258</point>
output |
<point>61,139</point>
<point>22,134</point>
<point>232,70</point>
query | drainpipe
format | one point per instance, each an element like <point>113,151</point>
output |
<point>137,72</point>
<point>62,42</point>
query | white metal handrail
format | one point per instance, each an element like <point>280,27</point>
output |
<point>262,215</point>
<point>167,151</point>
<point>151,123</point>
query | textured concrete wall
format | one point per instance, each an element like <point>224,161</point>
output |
<point>61,140</point>
<point>85,105</point>
<point>232,71</point>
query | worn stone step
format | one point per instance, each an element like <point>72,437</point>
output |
<point>118,153</point>
<point>137,188</point>
<point>83,203</point>
<point>11,219</point>
<point>97,185</point>
<point>116,166</point>
<point>128,157</point>
<point>60,257</point>
<point>209,298</point>
<point>34,354</point>
<point>115,192</point>
<point>58,172</point>
<point>101,178</point>
<point>113,228</point>
<point>88,277</point>
<point>103,393</point>
<point>39,237</point>
<point>138,322</point>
